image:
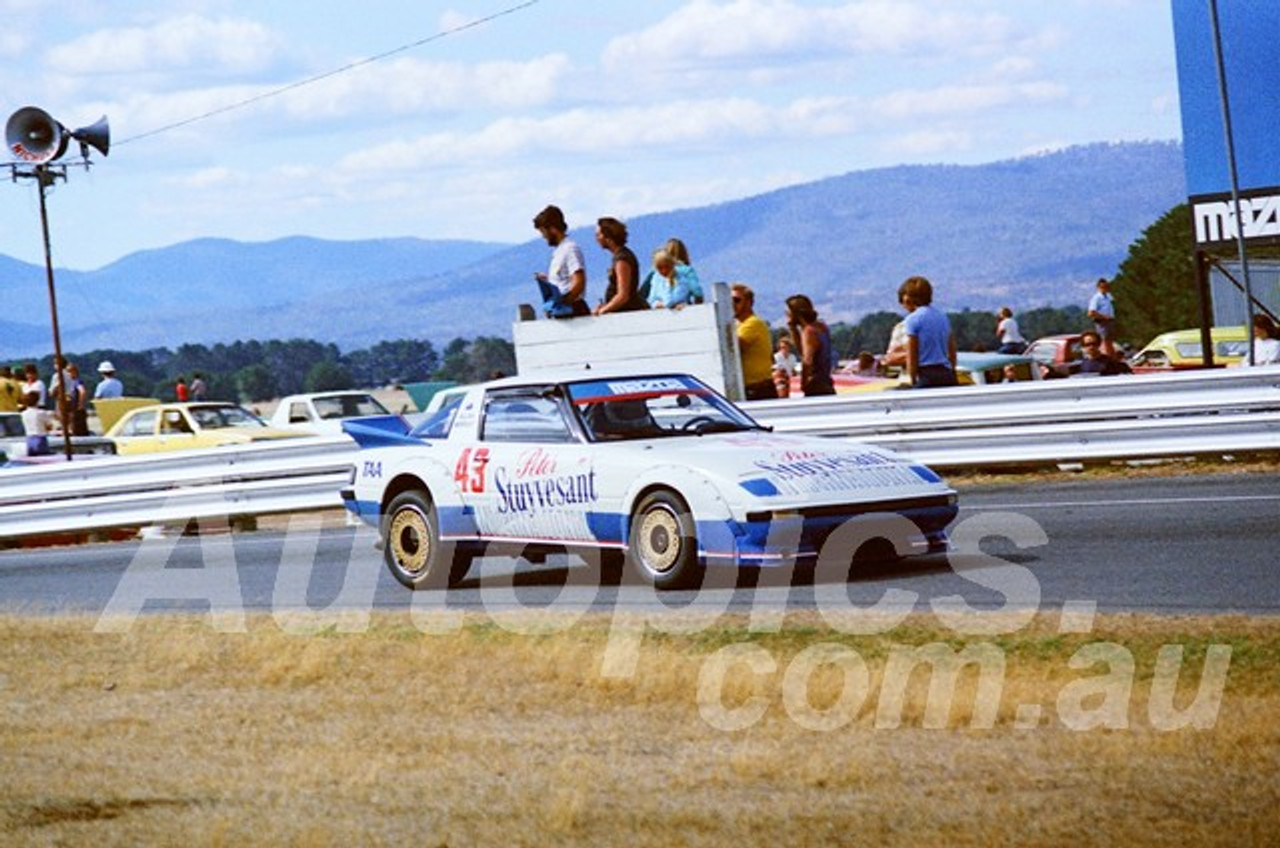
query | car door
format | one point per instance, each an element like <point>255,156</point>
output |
<point>176,431</point>
<point>138,432</point>
<point>530,475</point>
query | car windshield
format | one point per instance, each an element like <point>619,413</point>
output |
<point>348,406</point>
<point>654,407</point>
<point>221,417</point>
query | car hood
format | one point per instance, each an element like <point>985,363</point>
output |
<point>795,470</point>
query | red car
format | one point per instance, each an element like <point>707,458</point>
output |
<point>1060,354</point>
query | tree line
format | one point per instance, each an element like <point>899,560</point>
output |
<point>255,371</point>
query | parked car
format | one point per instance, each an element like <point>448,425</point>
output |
<point>323,412</point>
<point>186,426</point>
<point>657,470</point>
<point>13,441</point>
<point>1181,349</point>
<point>1060,354</point>
<point>986,368</point>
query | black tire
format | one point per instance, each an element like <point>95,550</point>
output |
<point>663,543</point>
<point>412,548</point>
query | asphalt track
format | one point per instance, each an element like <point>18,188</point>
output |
<point>1192,544</point>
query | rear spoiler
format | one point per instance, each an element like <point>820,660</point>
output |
<point>380,431</point>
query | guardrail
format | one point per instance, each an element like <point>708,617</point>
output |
<point>1080,419</point>
<point>289,475</point>
<point>1220,412</point>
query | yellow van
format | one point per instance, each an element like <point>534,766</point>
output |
<point>1181,349</point>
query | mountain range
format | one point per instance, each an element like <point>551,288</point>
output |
<point>1025,232</point>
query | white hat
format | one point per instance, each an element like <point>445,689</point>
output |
<point>105,367</point>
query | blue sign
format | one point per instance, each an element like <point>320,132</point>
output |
<point>1250,33</point>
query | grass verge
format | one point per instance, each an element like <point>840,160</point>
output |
<point>175,733</point>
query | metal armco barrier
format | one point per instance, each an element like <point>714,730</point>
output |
<point>289,475</point>
<point>1196,413</point>
<point>1129,417</point>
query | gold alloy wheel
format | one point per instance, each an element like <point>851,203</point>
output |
<point>659,539</point>
<point>410,538</point>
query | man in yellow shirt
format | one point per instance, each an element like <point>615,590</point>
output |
<point>10,390</point>
<point>755,344</point>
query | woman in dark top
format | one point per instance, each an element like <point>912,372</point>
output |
<point>622,295</point>
<point>815,346</point>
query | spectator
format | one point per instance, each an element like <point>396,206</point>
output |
<point>785,358</point>
<point>110,387</point>
<point>755,346</point>
<point>34,384</point>
<point>782,382</point>
<point>931,346</point>
<point>564,286</point>
<point>1096,361</point>
<point>199,390</point>
<point>10,390</point>
<point>1011,340</point>
<point>895,355</point>
<point>623,291</point>
<point>815,346</point>
<point>36,425</point>
<point>77,401</point>
<point>1102,311</point>
<point>1266,341</point>
<point>677,250</point>
<point>864,366</point>
<point>181,391</point>
<point>671,284</point>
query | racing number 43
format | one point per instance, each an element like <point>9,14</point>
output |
<point>469,472</point>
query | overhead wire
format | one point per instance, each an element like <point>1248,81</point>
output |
<point>276,92</point>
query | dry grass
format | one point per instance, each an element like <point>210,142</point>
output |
<point>174,733</point>
<point>1254,463</point>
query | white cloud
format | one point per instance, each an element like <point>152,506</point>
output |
<point>408,86</point>
<point>930,142</point>
<point>651,130</point>
<point>405,87</point>
<point>760,30</point>
<point>959,100</point>
<point>183,43</point>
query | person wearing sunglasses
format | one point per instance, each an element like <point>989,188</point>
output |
<point>1096,360</point>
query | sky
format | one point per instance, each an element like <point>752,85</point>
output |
<point>480,113</point>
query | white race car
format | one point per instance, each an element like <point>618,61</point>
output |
<point>659,470</point>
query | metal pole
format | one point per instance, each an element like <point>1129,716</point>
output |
<point>1235,175</point>
<point>1206,309</point>
<point>44,178</point>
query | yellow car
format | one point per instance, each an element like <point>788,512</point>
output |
<point>187,426</point>
<point>1181,349</point>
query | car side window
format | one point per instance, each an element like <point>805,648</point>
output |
<point>142,424</point>
<point>298,413</point>
<point>439,423</point>
<point>524,417</point>
<point>174,423</point>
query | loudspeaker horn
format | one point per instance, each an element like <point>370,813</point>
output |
<point>34,136</point>
<point>97,135</point>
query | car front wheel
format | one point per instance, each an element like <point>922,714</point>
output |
<point>663,544</point>
<point>412,546</point>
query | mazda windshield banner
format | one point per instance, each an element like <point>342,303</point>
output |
<point>1250,31</point>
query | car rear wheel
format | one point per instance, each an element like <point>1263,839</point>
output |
<point>412,546</point>
<point>663,545</point>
